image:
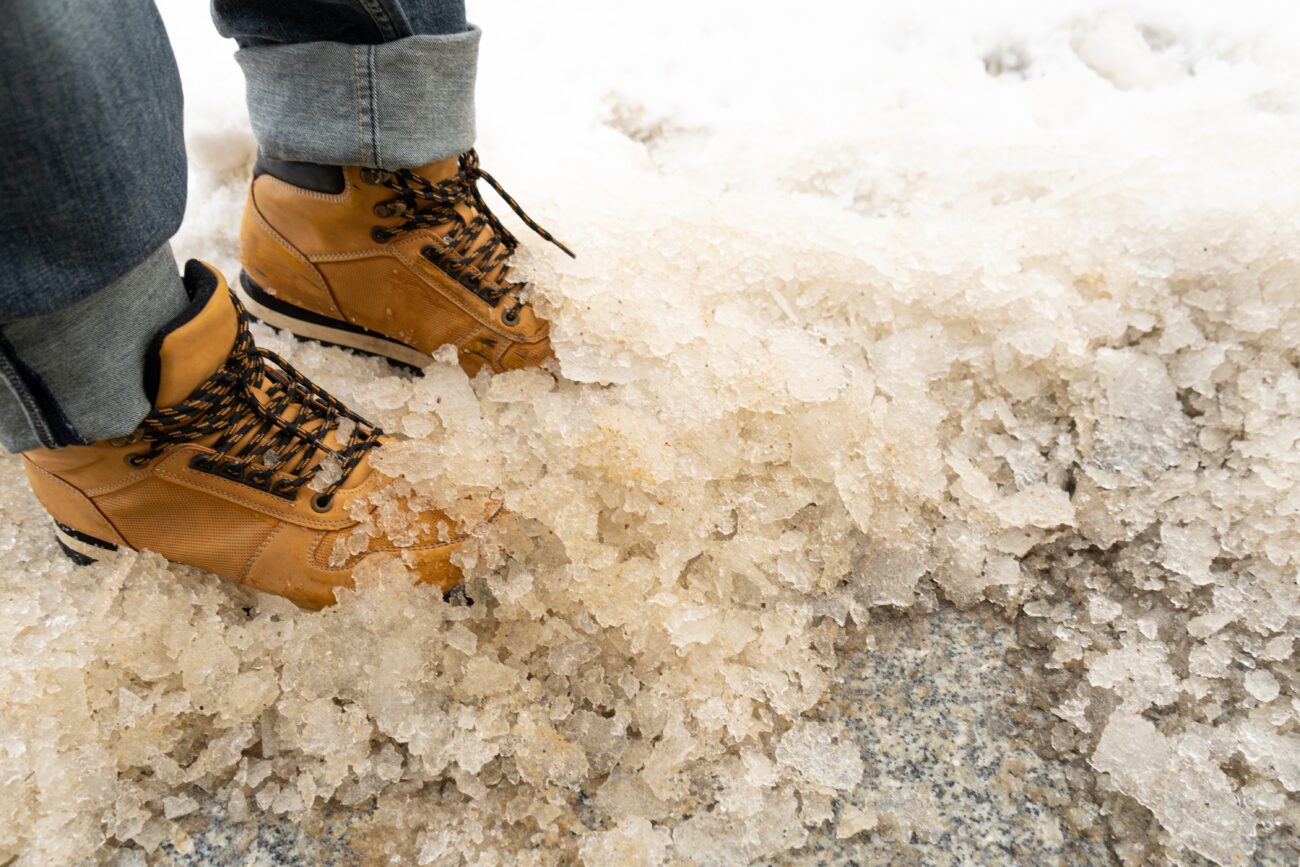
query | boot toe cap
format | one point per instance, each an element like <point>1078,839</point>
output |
<point>524,355</point>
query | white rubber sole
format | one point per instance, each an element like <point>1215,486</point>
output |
<point>369,343</point>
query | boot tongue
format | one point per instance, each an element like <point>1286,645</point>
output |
<point>198,341</point>
<point>441,170</point>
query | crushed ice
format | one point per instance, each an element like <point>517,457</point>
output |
<point>1011,313</point>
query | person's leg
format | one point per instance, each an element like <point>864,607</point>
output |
<point>354,22</point>
<point>380,83</point>
<point>365,226</point>
<point>92,188</point>
<point>146,416</point>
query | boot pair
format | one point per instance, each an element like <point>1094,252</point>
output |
<point>247,469</point>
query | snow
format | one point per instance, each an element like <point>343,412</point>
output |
<point>996,302</point>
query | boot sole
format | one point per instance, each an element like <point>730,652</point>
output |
<point>265,307</point>
<point>82,548</point>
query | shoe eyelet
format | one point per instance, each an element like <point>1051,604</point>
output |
<point>322,502</point>
<point>379,234</point>
<point>510,316</point>
<point>429,252</point>
<point>136,459</point>
<point>372,176</point>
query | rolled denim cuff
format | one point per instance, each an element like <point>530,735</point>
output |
<point>77,375</point>
<point>396,105</point>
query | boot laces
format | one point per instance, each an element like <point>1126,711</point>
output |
<point>264,443</point>
<point>427,204</point>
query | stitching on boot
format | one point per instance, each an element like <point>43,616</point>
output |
<point>46,474</point>
<point>261,549</point>
<point>265,508</point>
<point>313,272</point>
<point>300,192</point>
<point>414,265</point>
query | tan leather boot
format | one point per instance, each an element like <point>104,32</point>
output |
<point>395,264</point>
<point>245,469</point>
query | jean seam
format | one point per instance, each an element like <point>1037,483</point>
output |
<point>374,106</point>
<point>379,15</point>
<point>361,122</point>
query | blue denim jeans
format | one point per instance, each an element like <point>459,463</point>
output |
<point>93,176</point>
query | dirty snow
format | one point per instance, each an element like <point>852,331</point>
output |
<point>993,301</point>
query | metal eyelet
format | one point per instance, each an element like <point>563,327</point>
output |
<point>510,316</point>
<point>379,235</point>
<point>429,252</point>
<point>322,502</point>
<point>372,176</point>
<point>136,459</point>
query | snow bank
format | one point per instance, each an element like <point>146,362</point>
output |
<point>992,303</point>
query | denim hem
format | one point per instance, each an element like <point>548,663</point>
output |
<point>395,105</point>
<point>77,375</point>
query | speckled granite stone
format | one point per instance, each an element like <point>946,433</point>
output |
<point>941,706</point>
<point>934,707</point>
<point>320,840</point>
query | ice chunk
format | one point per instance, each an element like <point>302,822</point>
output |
<point>328,473</point>
<point>179,805</point>
<point>1263,746</point>
<point>1139,673</point>
<point>1277,648</point>
<point>855,821</point>
<point>1262,685</point>
<point>1175,779</point>
<point>818,753</point>
<point>543,756</point>
<point>1103,610</point>
<point>632,841</point>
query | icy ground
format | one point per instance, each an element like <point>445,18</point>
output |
<point>991,301</point>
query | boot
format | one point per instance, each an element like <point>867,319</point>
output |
<point>244,468</point>
<point>395,263</point>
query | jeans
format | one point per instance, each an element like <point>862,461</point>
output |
<point>93,182</point>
